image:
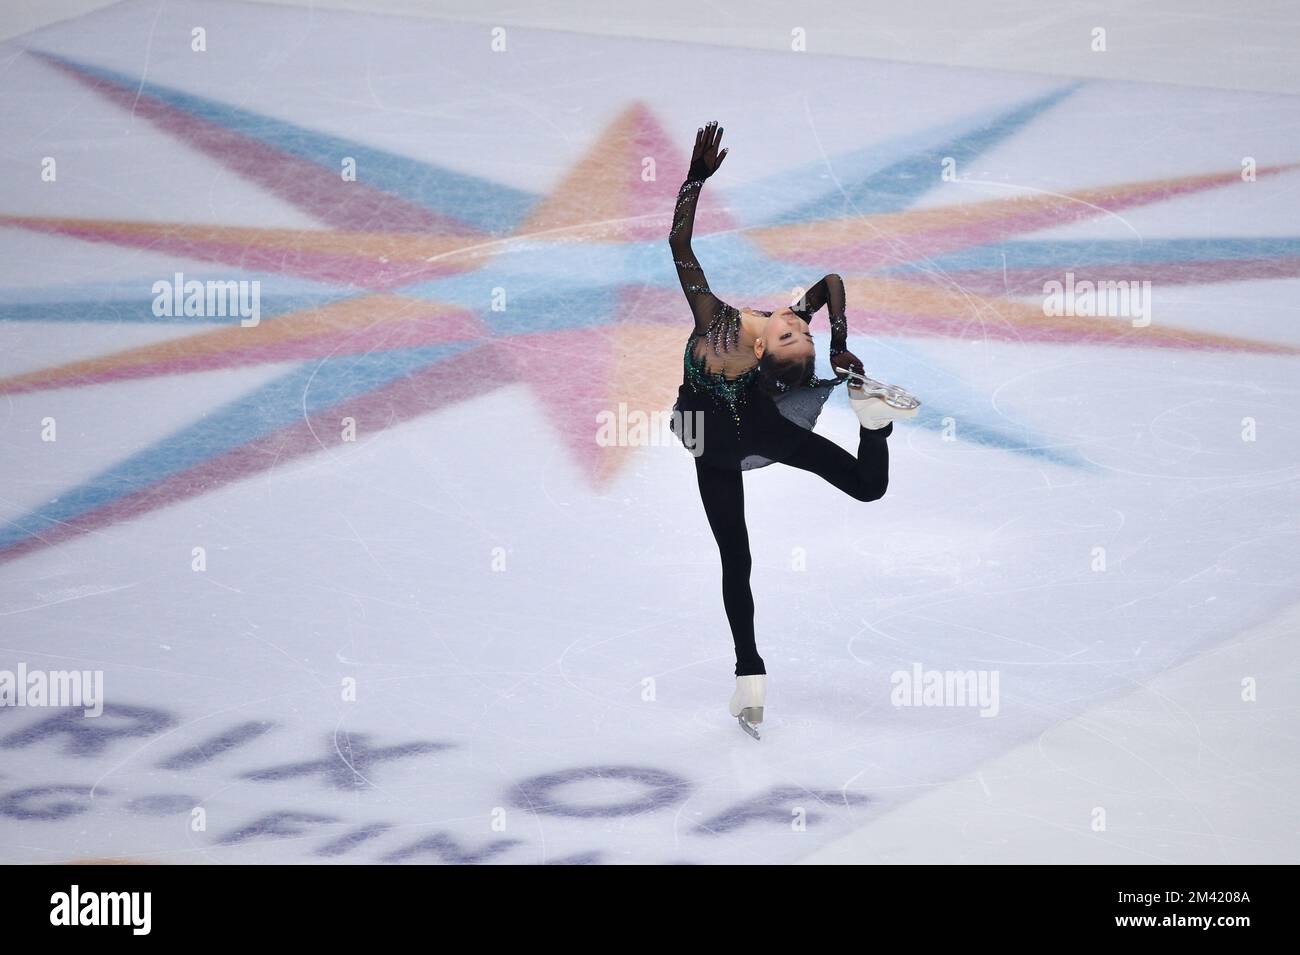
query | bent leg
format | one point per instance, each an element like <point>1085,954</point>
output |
<point>864,478</point>
<point>723,495</point>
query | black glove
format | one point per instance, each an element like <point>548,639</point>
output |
<point>705,158</point>
<point>846,359</point>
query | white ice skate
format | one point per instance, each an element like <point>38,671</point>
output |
<point>747,702</point>
<point>876,403</point>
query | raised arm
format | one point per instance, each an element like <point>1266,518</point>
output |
<point>829,291</point>
<point>695,285</point>
<point>705,160</point>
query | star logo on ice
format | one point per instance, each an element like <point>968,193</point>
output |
<point>425,286</point>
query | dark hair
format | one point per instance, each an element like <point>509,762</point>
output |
<point>779,375</point>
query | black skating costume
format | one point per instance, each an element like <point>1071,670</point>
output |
<point>740,427</point>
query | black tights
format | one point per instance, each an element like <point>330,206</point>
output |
<point>864,478</point>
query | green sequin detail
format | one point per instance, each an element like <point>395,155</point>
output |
<point>730,392</point>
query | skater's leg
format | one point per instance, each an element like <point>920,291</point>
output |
<point>864,478</point>
<point>723,495</point>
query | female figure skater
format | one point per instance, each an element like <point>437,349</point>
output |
<point>750,397</point>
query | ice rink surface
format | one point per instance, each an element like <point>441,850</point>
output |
<point>363,581</point>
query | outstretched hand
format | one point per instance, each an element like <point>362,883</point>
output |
<point>705,159</point>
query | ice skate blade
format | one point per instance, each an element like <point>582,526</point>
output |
<point>891,395</point>
<point>749,719</point>
<point>748,727</point>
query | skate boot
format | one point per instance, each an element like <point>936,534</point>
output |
<point>876,403</point>
<point>747,702</point>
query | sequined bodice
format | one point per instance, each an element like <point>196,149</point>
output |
<point>730,392</point>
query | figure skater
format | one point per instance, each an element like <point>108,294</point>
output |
<point>750,397</point>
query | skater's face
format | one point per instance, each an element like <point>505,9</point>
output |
<point>785,335</point>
